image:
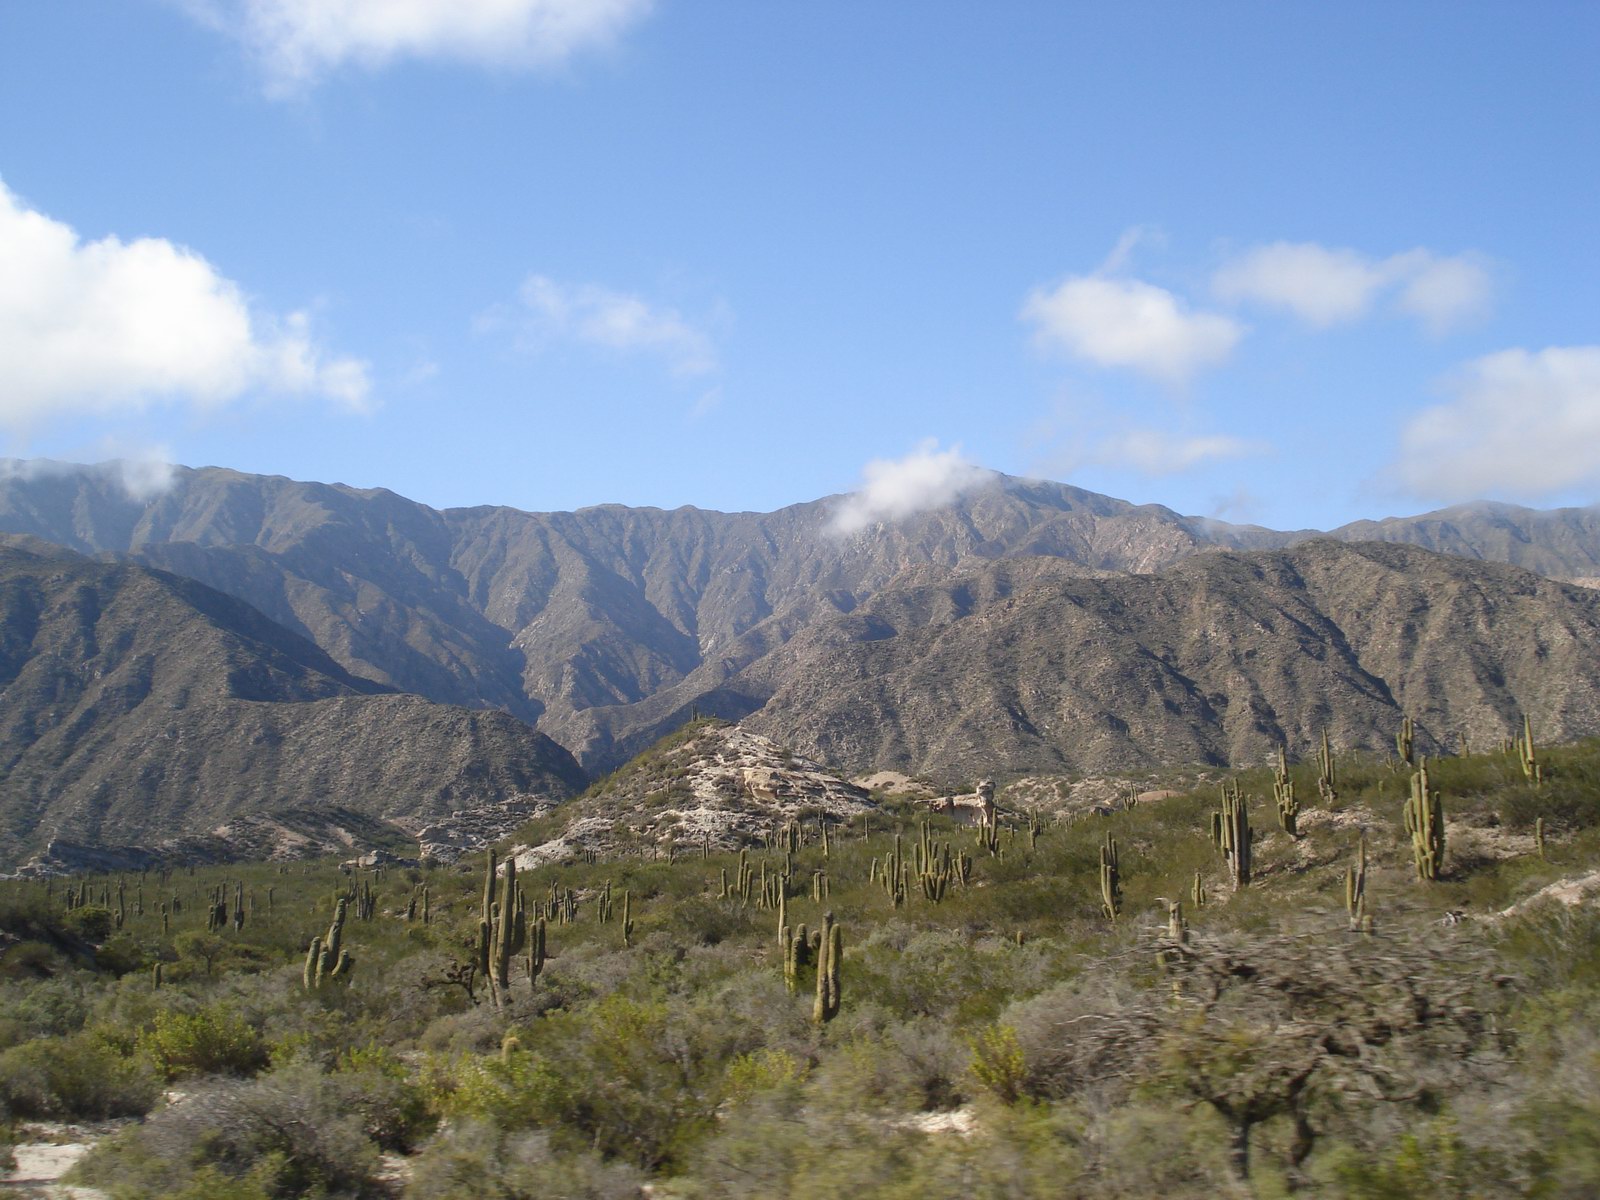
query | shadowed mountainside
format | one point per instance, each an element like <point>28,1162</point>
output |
<point>137,705</point>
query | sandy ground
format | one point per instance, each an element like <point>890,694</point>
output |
<point>41,1164</point>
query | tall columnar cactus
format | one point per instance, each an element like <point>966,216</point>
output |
<point>1326,779</point>
<point>1230,829</point>
<point>796,954</point>
<point>1283,795</point>
<point>1110,879</point>
<point>830,958</point>
<point>627,919</point>
<point>1405,741</point>
<point>1527,755</point>
<point>508,933</point>
<point>893,874</point>
<point>1424,815</point>
<point>238,907</point>
<point>1355,891</point>
<point>1538,836</point>
<point>311,976</point>
<point>1199,892</point>
<point>536,943</point>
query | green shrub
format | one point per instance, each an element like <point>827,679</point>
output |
<point>475,1159</point>
<point>209,1041</point>
<point>283,1135</point>
<point>91,922</point>
<point>83,1076</point>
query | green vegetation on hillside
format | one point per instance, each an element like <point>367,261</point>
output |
<point>1086,1007</point>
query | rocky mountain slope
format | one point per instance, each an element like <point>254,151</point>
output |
<point>137,705</point>
<point>610,626</point>
<point>1020,665</point>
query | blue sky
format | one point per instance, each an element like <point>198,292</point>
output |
<point>1294,264</point>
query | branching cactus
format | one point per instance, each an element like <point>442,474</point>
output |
<point>1326,779</point>
<point>1405,741</point>
<point>1230,829</point>
<point>508,933</point>
<point>1424,816</point>
<point>1288,805</point>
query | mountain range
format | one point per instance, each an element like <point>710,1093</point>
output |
<point>1028,626</point>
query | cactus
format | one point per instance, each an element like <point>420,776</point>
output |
<point>627,919</point>
<point>1199,892</point>
<point>1538,836</point>
<point>1326,779</point>
<point>535,962</point>
<point>508,933</point>
<point>155,975</point>
<point>509,1045</point>
<point>1283,794</point>
<point>1527,755</point>
<point>1177,927</point>
<point>796,954</point>
<point>1230,829</point>
<point>1110,880</point>
<point>830,957</point>
<point>1405,741</point>
<point>312,973</point>
<point>1424,817</point>
<point>1355,890</point>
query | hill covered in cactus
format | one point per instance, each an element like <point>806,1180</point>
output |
<point>1286,979</point>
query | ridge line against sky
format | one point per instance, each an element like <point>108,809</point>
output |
<point>1289,267</point>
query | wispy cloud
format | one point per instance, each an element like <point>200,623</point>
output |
<point>1114,322</point>
<point>1518,423</point>
<point>299,41</point>
<point>1161,452</point>
<point>893,489</point>
<point>1326,287</point>
<point>548,311</point>
<point>110,326</point>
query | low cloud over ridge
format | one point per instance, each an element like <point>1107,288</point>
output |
<point>893,489</point>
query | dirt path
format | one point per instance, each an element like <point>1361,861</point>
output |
<point>44,1156</point>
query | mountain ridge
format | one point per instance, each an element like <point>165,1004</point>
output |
<point>607,626</point>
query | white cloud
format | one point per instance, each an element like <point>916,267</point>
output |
<point>893,489</point>
<point>1326,287</point>
<point>1444,292</point>
<point>1127,323</point>
<point>109,326</point>
<point>552,311</point>
<point>300,40</point>
<point>1157,452</point>
<point>143,472</point>
<point>1520,424</point>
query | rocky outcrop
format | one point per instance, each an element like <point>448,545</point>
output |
<point>720,787</point>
